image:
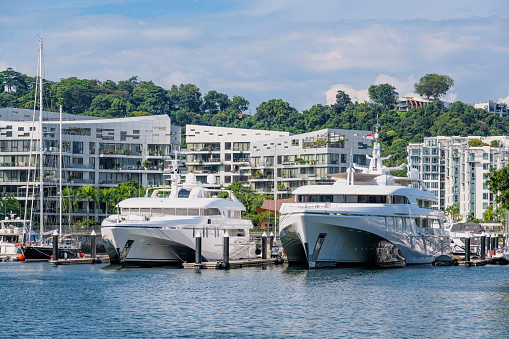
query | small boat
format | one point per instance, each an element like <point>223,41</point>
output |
<point>11,237</point>
<point>444,260</point>
<point>501,258</point>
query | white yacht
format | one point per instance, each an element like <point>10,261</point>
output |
<point>367,218</point>
<point>160,228</point>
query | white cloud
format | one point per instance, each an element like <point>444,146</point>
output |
<point>355,95</point>
<point>504,100</point>
<point>404,87</point>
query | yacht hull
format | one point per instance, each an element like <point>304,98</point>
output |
<point>318,240</point>
<point>143,246</point>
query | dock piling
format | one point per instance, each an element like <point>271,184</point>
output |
<point>55,246</point>
<point>93,244</point>
<point>264,245</point>
<point>483,246</point>
<point>226,251</point>
<point>197,258</point>
<point>467,247</point>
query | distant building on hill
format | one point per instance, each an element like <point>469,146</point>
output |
<point>407,103</point>
<point>491,106</point>
<point>455,171</point>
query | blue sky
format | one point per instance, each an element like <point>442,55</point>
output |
<point>298,51</point>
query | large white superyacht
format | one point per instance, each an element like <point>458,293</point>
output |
<point>160,228</point>
<point>367,218</point>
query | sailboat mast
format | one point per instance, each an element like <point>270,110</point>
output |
<point>41,173</point>
<point>60,173</point>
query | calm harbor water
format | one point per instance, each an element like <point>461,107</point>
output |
<point>93,301</point>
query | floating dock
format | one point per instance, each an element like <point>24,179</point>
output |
<point>100,259</point>
<point>233,263</point>
<point>475,262</point>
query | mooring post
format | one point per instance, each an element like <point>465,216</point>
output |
<point>226,247</point>
<point>264,245</point>
<point>55,246</point>
<point>271,242</point>
<point>488,243</point>
<point>493,244</point>
<point>93,244</point>
<point>226,251</point>
<point>483,246</point>
<point>197,258</point>
<point>467,247</point>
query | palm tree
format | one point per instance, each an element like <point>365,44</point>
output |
<point>452,210</point>
<point>69,202</point>
<point>106,195</point>
<point>88,193</point>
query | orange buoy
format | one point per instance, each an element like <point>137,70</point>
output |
<point>21,257</point>
<point>82,254</point>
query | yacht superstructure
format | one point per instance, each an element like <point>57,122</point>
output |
<point>366,218</point>
<point>160,228</point>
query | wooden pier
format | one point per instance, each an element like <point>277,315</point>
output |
<point>100,259</point>
<point>233,263</point>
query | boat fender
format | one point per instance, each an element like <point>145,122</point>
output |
<point>82,255</point>
<point>279,260</point>
<point>21,257</point>
<point>455,262</point>
<point>224,265</point>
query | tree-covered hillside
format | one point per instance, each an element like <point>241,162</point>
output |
<point>185,104</point>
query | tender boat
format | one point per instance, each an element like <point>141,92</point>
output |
<point>11,237</point>
<point>364,219</point>
<point>160,228</point>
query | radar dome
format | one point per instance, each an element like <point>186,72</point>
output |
<point>413,174</point>
<point>191,178</point>
<point>211,179</point>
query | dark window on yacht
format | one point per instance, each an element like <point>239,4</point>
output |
<point>211,211</point>
<point>423,222</point>
<point>169,211</point>
<point>400,199</point>
<point>315,198</point>
<point>134,211</point>
<point>183,193</point>
<point>424,203</point>
<point>144,211</point>
<point>157,211</point>
<point>193,211</point>
<point>181,211</point>
<point>372,199</point>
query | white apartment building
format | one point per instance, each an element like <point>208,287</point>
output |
<point>95,151</point>
<point>491,106</point>
<point>454,169</point>
<point>304,159</point>
<point>222,151</point>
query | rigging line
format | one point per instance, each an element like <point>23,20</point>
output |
<point>164,236</point>
<point>243,249</point>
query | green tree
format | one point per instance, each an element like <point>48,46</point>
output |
<point>9,204</point>
<point>384,94</point>
<point>452,211</point>
<point>69,202</point>
<point>498,183</point>
<point>150,98</point>
<point>88,193</point>
<point>433,85</point>
<point>13,81</point>
<point>342,100</point>
<point>106,196</point>
<point>214,102</point>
